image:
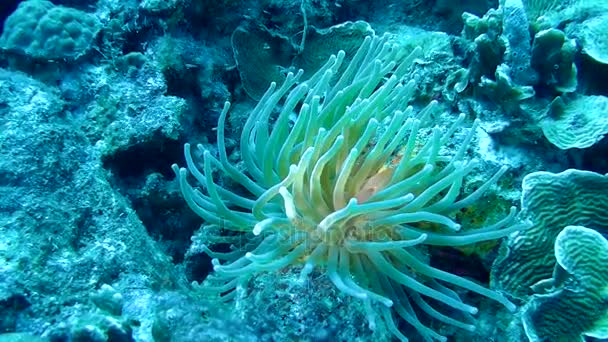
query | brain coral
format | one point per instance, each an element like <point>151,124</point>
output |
<point>550,201</point>
<point>42,30</point>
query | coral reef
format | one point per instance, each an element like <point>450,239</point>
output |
<point>350,170</point>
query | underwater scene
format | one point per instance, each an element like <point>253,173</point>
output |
<point>304,170</point>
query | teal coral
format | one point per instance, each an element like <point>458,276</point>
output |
<point>42,30</point>
<point>553,57</point>
<point>258,67</point>
<point>595,42</point>
<point>575,304</point>
<point>580,122</point>
<point>550,201</point>
<point>353,185</point>
<point>517,37</point>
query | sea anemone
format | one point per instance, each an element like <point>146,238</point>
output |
<point>345,181</point>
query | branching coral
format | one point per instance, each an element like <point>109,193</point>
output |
<point>345,181</point>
